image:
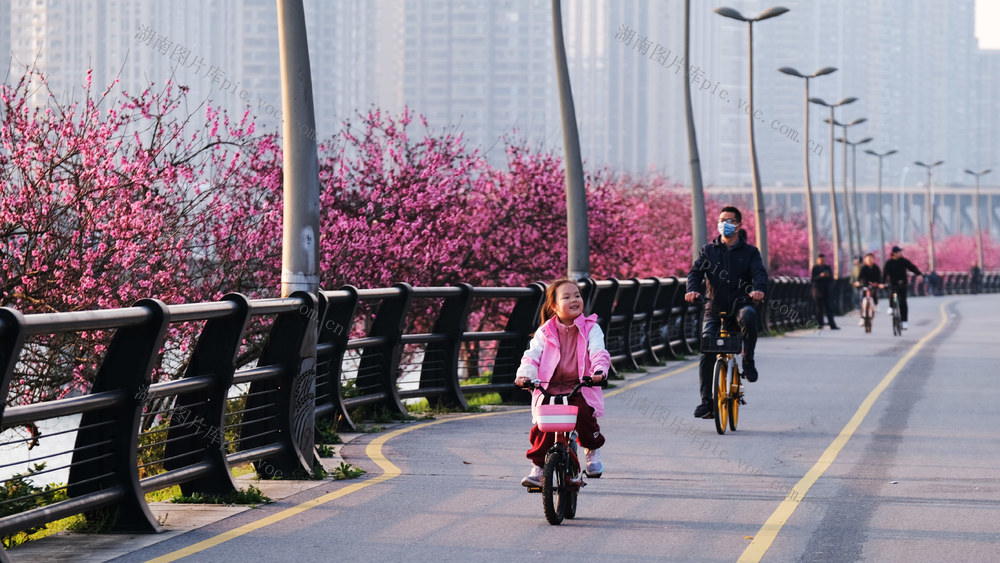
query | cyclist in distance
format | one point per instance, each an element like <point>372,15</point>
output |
<point>870,275</point>
<point>894,276</point>
<point>728,267</point>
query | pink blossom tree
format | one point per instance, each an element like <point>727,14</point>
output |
<point>105,202</point>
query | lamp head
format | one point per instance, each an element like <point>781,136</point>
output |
<point>848,100</point>
<point>730,13</point>
<point>771,13</point>
<point>865,140</point>
<point>819,101</point>
<point>791,71</point>
<point>858,121</point>
<point>824,71</point>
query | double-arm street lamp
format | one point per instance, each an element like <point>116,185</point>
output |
<point>758,195</point>
<point>847,197</point>
<point>833,194</point>
<point>854,189</point>
<point>810,213</point>
<point>930,212</point>
<point>881,227</point>
<point>979,234</point>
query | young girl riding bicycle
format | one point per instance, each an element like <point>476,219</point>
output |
<point>566,347</point>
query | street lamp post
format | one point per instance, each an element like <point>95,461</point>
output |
<point>930,212</point>
<point>758,195</point>
<point>854,189</point>
<point>833,194</point>
<point>979,233</point>
<point>847,202</point>
<point>881,224</point>
<point>577,228</point>
<point>810,213</point>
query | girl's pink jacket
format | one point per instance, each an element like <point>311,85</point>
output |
<point>542,357</point>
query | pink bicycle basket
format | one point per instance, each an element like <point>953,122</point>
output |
<point>557,418</point>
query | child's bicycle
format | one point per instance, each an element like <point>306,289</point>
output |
<point>897,317</point>
<point>562,477</point>
<point>867,307</point>
<point>727,375</point>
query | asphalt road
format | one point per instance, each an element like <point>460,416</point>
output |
<point>853,447</point>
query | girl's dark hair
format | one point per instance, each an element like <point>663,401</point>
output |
<point>549,307</point>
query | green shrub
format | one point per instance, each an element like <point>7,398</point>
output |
<point>19,495</point>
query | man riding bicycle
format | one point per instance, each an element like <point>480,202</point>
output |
<point>894,276</point>
<point>730,268</point>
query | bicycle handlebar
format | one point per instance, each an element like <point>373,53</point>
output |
<point>587,381</point>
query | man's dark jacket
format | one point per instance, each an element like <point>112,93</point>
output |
<point>895,269</point>
<point>728,272</point>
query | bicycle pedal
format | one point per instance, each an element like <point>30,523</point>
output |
<point>534,489</point>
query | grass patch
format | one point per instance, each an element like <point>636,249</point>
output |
<point>347,471</point>
<point>164,494</point>
<point>251,496</point>
<point>326,433</point>
<point>324,450</point>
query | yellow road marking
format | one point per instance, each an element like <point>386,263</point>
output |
<point>650,380</point>
<point>767,534</point>
<point>374,452</point>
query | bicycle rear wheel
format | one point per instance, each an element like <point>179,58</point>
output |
<point>721,391</point>
<point>555,494</point>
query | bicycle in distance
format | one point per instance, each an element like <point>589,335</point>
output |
<point>867,309</point>
<point>562,475</point>
<point>897,317</point>
<point>727,374</point>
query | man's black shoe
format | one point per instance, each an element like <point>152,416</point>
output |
<point>749,370</point>
<point>704,410</point>
<point>834,327</point>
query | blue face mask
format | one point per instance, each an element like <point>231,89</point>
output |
<point>726,229</point>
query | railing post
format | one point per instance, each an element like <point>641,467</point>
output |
<point>523,321</point>
<point>380,369</point>
<point>690,321</point>
<point>11,341</point>
<point>645,305</point>
<point>661,314</point>
<point>107,442</point>
<point>452,321</point>
<point>214,355</point>
<point>338,316</point>
<point>625,308</point>
<point>286,406</point>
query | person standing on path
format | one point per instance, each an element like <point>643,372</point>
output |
<point>822,282</point>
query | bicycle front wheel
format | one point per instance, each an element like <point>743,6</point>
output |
<point>555,493</point>
<point>721,390</point>
<point>735,396</point>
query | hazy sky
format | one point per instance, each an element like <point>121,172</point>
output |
<point>988,23</point>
